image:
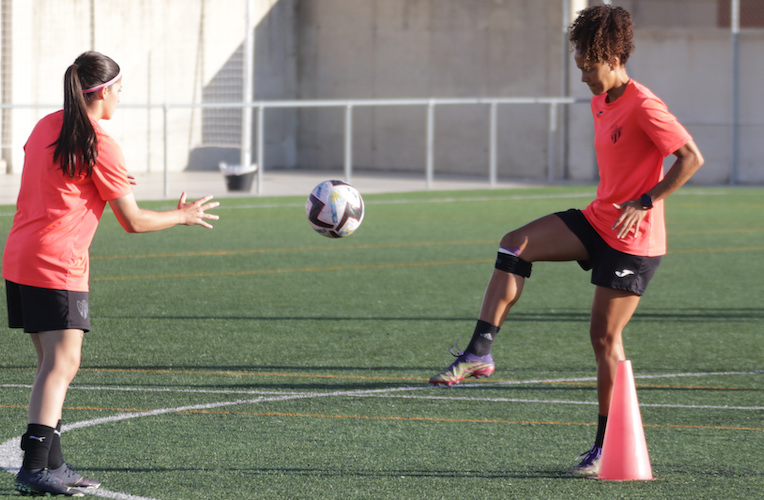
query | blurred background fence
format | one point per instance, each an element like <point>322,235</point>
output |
<point>459,87</point>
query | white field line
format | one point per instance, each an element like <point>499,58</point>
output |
<point>560,401</point>
<point>473,199</point>
<point>11,457</point>
<point>519,197</point>
<point>589,195</point>
<point>382,392</point>
<point>157,389</point>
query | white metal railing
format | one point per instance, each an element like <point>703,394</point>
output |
<point>493,103</point>
<point>553,103</point>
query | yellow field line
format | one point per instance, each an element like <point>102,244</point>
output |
<point>246,374</point>
<point>718,231</point>
<point>83,408</point>
<point>368,266</point>
<point>718,250</point>
<point>377,417</point>
<point>366,377</point>
<point>254,251</point>
<point>459,420</point>
<point>299,270</point>
<point>663,386</point>
<point>298,249</point>
<point>399,418</point>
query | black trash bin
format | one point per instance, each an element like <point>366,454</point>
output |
<point>238,178</point>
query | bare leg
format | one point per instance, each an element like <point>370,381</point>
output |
<point>611,311</point>
<point>545,239</point>
<point>38,349</point>
<point>58,362</point>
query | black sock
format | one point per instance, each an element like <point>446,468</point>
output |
<point>482,338</point>
<point>601,424</point>
<point>36,445</point>
<point>56,455</point>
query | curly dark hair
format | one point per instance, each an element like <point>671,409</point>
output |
<point>602,32</point>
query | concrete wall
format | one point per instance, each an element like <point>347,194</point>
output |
<point>674,64</point>
<point>431,48</point>
<point>178,52</point>
<point>428,48</point>
<point>690,71</point>
<point>172,52</point>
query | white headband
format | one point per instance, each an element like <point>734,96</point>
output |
<point>103,85</point>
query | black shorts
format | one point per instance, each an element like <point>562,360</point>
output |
<point>43,310</point>
<point>610,268</point>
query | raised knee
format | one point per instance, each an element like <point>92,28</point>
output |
<point>509,262</point>
<point>513,242</point>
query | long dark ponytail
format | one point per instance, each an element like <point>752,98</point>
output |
<point>77,144</point>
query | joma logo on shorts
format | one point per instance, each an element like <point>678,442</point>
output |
<point>624,273</point>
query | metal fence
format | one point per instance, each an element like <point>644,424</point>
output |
<point>239,116</point>
<point>553,105</point>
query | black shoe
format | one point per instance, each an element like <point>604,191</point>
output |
<point>43,482</point>
<point>70,477</point>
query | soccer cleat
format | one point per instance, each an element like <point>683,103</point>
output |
<point>466,365</point>
<point>70,477</point>
<point>43,482</point>
<point>590,465</point>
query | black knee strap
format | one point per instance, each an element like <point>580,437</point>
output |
<point>513,264</point>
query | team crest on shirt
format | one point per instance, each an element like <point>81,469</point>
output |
<point>82,306</point>
<point>615,133</point>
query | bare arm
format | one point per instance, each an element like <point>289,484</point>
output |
<point>688,161</point>
<point>137,220</point>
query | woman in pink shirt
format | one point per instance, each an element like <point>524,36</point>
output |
<point>621,235</point>
<point>72,168</point>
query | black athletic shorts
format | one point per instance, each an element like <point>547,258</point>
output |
<point>43,310</point>
<point>610,268</point>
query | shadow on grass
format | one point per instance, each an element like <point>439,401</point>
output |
<point>342,472</point>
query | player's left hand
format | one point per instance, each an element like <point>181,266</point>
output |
<point>632,214</point>
<point>195,212</point>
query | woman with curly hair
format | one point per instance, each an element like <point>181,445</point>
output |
<point>621,235</point>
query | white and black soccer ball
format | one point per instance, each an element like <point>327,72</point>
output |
<point>334,209</point>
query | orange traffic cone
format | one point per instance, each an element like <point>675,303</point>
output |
<point>624,451</point>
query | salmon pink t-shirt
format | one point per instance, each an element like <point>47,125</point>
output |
<point>632,136</point>
<point>56,215</point>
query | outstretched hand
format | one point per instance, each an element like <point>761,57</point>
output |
<point>632,214</point>
<point>194,213</point>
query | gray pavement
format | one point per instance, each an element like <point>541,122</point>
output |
<point>152,186</point>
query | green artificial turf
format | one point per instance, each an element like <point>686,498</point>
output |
<point>261,360</point>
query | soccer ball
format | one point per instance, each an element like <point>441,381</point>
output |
<point>334,209</point>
